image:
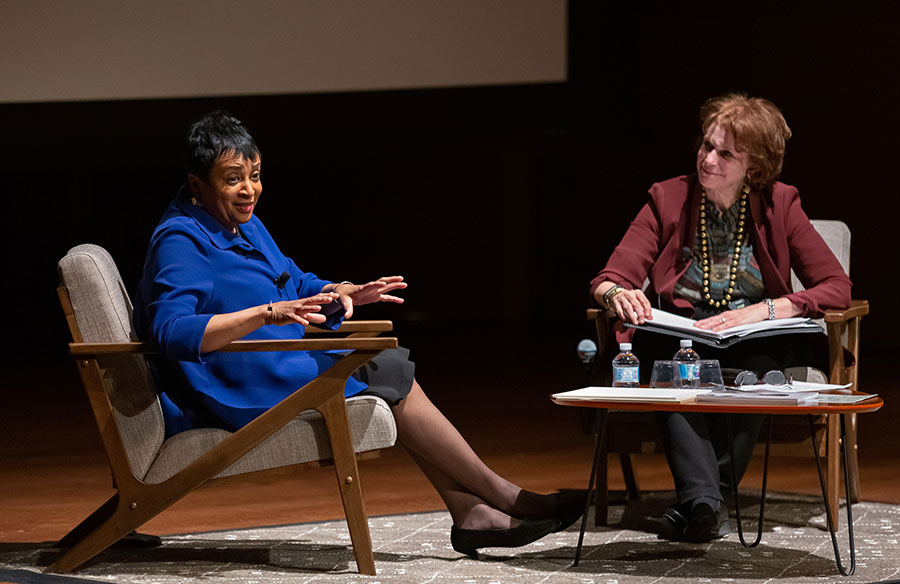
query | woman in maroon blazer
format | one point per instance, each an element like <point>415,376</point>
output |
<point>719,246</point>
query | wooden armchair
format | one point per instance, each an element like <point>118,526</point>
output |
<point>313,426</point>
<point>636,432</point>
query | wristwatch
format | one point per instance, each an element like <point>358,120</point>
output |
<point>771,304</point>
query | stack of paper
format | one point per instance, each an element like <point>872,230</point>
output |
<point>798,392</point>
<point>760,397</point>
<point>629,394</point>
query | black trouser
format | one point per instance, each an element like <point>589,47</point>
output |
<point>698,454</point>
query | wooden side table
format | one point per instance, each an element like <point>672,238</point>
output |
<point>871,404</point>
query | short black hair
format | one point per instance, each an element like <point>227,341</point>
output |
<point>213,135</point>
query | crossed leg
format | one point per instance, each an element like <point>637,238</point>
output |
<point>476,496</point>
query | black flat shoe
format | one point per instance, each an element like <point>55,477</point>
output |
<point>468,541</point>
<point>569,508</point>
<point>706,524</point>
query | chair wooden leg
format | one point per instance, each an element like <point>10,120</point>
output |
<point>335,413</point>
<point>833,473</point>
<point>852,376</point>
<point>100,535</point>
<point>631,480</point>
<point>91,522</point>
<point>852,461</point>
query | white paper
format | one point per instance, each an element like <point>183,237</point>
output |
<point>840,398</point>
<point>807,386</point>
<point>629,394</point>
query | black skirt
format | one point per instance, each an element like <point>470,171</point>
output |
<point>389,375</point>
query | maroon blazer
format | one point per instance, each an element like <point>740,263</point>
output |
<point>655,247</point>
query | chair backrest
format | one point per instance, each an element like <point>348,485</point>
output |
<point>837,236</point>
<point>102,314</point>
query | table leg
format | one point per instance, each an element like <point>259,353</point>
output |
<point>601,485</point>
<point>734,485</point>
<point>830,519</point>
<point>600,425</point>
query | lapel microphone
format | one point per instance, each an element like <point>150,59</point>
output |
<point>281,280</point>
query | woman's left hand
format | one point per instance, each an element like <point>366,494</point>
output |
<point>729,318</point>
<point>350,295</point>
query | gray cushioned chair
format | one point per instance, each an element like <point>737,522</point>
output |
<point>314,425</point>
<point>636,433</point>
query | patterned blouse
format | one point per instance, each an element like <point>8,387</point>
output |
<point>748,286</point>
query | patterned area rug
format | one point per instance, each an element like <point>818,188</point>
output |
<point>416,549</point>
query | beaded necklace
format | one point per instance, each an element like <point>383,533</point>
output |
<point>736,256</point>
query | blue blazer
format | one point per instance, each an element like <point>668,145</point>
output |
<point>194,269</point>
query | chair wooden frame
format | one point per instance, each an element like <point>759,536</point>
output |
<point>843,327</point>
<point>136,502</point>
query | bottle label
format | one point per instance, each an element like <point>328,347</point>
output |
<point>689,371</point>
<point>627,375</point>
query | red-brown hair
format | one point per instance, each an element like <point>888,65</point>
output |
<point>757,127</point>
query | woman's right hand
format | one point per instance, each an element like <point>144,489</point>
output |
<point>631,306</point>
<point>304,310</point>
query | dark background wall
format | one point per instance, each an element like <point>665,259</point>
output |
<point>498,204</point>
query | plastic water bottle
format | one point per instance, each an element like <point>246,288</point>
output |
<point>625,367</point>
<point>688,366</point>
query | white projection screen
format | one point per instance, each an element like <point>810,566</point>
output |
<point>68,50</point>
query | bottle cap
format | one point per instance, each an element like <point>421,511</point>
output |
<point>687,343</point>
<point>624,346</point>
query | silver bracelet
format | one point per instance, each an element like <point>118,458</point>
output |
<point>771,304</point>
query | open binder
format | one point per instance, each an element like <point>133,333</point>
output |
<point>681,327</point>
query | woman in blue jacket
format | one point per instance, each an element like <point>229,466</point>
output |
<point>213,274</point>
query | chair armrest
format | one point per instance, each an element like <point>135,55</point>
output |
<point>598,313</point>
<point>355,326</point>
<point>347,344</point>
<point>858,308</point>
<point>602,320</point>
